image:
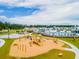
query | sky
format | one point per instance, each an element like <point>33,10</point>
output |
<point>45,12</point>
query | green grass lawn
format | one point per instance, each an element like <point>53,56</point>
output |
<point>6,33</point>
<point>5,49</point>
<point>70,40</point>
<point>3,32</point>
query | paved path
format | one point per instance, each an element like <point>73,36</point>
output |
<point>74,49</point>
<point>2,42</point>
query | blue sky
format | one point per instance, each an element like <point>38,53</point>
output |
<point>40,11</point>
<point>8,11</point>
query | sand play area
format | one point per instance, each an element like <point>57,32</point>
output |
<point>24,48</point>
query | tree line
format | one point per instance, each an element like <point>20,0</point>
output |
<point>6,25</point>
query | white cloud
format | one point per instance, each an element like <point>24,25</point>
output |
<point>53,13</point>
<point>33,2</point>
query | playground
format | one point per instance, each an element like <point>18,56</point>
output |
<point>36,46</point>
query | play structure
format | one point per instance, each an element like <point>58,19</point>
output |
<point>33,46</point>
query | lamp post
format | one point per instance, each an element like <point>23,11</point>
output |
<point>8,33</point>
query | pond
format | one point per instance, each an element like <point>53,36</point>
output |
<point>11,36</point>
